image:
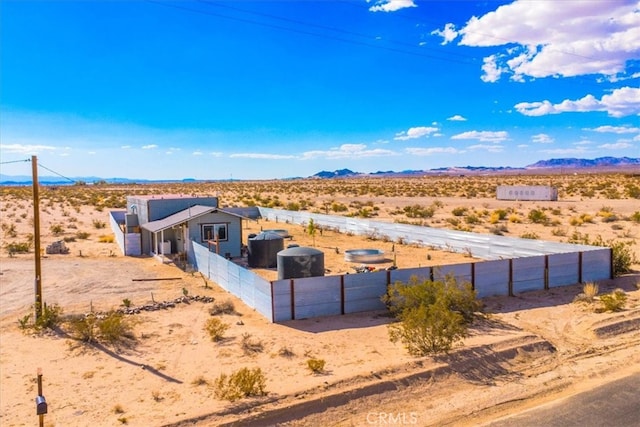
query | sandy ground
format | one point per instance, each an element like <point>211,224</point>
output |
<point>532,348</point>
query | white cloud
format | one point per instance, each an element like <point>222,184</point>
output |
<point>621,102</point>
<point>615,129</point>
<point>448,33</point>
<point>457,118</point>
<point>616,146</point>
<point>419,151</point>
<point>542,138</point>
<point>485,136</point>
<point>262,156</point>
<point>415,132</point>
<point>557,38</point>
<point>125,147</point>
<point>346,151</point>
<point>149,147</point>
<point>391,5</point>
<point>491,70</point>
<point>492,148</point>
<point>26,148</point>
<point>197,153</point>
<point>216,154</point>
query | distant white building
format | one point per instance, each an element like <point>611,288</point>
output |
<point>526,192</point>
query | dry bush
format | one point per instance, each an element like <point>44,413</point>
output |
<point>251,345</point>
<point>243,383</point>
<point>588,294</point>
<point>216,329</point>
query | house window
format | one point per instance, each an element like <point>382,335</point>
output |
<point>210,231</point>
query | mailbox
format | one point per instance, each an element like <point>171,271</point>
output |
<point>41,405</point>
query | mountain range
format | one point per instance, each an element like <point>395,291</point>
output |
<point>552,165</point>
<point>563,165</point>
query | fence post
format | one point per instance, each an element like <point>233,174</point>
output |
<point>342,294</point>
<point>273,305</point>
<point>546,272</point>
<point>611,272</point>
<point>293,299</point>
<point>580,267</point>
<point>473,276</point>
<point>510,277</point>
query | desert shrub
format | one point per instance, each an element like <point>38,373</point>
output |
<point>538,216</point>
<point>459,211</point>
<point>111,328</point>
<point>50,317</point>
<point>106,238</point>
<point>529,235</point>
<point>82,235</point>
<point>24,322</point>
<point>222,307</point>
<point>635,217</point>
<point>339,207</point>
<point>114,328</point>
<point>316,365</point>
<point>515,218</point>
<point>251,345</point>
<point>292,206</point>
<point>417,211</point>
<point>83,328</point>
<point>18,248</point>
<point>199,381</point>
<point>56,229</point>
<point>243,383</point>
<point>286,352</point>
<point>97,224</point>
<point>472,219</point>
<point>500,214</point>
<point>69,239</point>
<point>559,232</point>
<point>10,230</point>
<point>499,229</point>
<point>432,315</point>
<point>614,301</point>
<point>216,328</point>
<point>588,294</point>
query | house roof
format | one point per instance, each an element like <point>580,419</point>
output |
<point>182,216</point>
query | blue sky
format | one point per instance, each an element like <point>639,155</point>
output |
<point>274,89</point>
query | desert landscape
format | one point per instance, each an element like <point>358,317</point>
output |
<point>524,350</point>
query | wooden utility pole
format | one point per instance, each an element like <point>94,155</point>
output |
<point>36,236</point>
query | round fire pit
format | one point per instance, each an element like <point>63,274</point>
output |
<point>364,255</point>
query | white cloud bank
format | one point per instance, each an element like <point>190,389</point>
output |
<point>390,5</point>
<point>348,151</point>
<point>484,136</point>
<point>554,38</point>
<point>415,132</point>
<point>621,102</point>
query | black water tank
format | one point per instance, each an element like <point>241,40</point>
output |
<point>294,263</point>
<point>263,250</point>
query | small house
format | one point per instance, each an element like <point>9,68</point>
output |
<point>165,225</point>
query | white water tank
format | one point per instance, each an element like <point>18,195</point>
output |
<point>166,247</point>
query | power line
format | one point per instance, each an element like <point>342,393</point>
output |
<point>324,27</point>
<point>54,172</point>
<point>15,161</point>
<point>309,33</point>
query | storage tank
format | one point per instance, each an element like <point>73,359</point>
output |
<point>263,249</point>
<point>299,262</point>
